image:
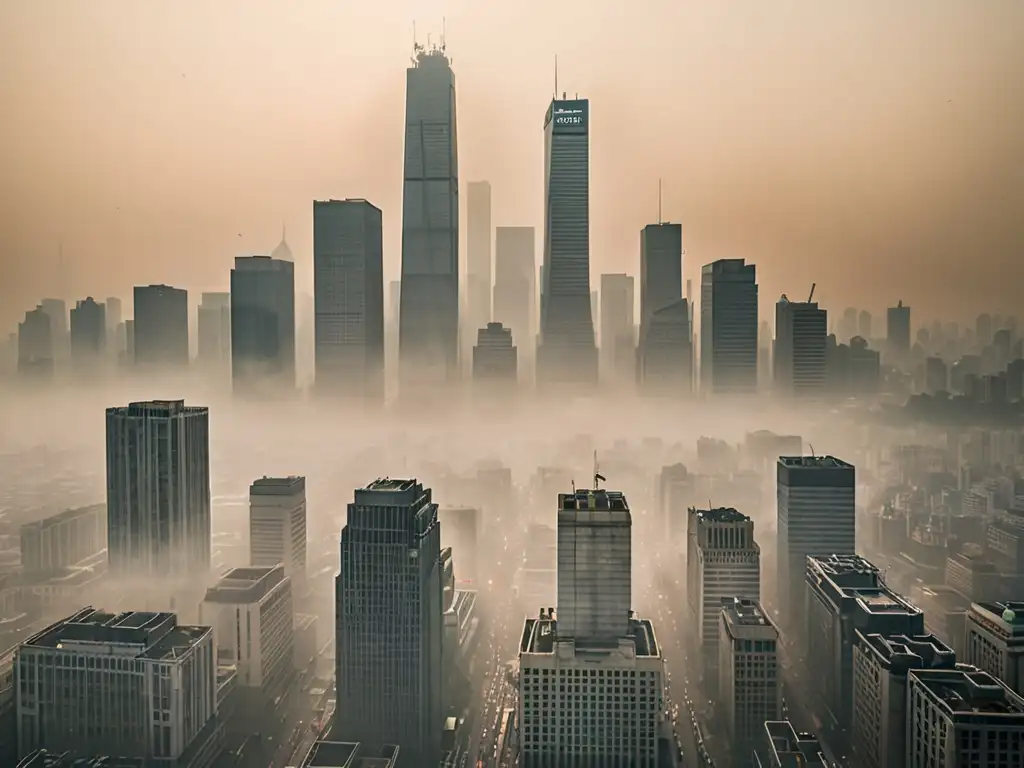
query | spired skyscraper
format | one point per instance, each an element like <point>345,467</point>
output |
<point>566,353</point>
<point>429,315</point>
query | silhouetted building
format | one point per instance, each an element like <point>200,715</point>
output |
<point>728,327</point>
<point>936,375</point>
<point>161,325</point>
<point>566,352</point>
<point>35,345</point>
<point>617,351</point>
<point>88,333</point>
<point>864,324</point>
<point>665,364</point>
<point>58,312</point>
<point>852,369</point>
<point>214,317</point>
<point>389,621</point>
<point>429,323</point>
<point>801,330</point>
<point>478,256</point>
<point>348,277</point>
<point>515,285</point>
<point>495,356</point>
<point>158,490</point>
<point>262,325</point>
<point>898,332</point>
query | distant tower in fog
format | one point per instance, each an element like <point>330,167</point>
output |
<point>515,284</point>
<point>35,345</point>
<point>801,331</point>
<point>728,327</point>
<point>263,325</point>
<point>161,325</point>
<point>478,256</point>
<point>88,333</point>
<point>898,331</point>
<point>495,357</point>
<point>617,351</point>
<point>214,316</point>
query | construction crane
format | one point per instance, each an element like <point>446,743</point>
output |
<point>813,286</point>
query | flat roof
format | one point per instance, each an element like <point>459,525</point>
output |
<point>539,635</point>
<point>787,742</point>
<point>904,652</point>
<point>746,619</point>
<point>813,462</point>
<point>277,485</point>
<point>582,500</point>
<point>966,694</point>
<point>63,517</point>
<point>245,585</point>
<point>721,515</point>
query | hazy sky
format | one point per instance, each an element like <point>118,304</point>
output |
<point>876,147</point>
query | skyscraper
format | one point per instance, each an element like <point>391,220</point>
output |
<point>618,352</point>
<point>567,352</point>
<point>389,621</point>
<point>665,352</point>
<point>661,267</point>
<point>88,332</point>
<point>277,525</point>
<point>728,327</point>
<point>158,490</point>
<point>515,285</point>
<point>495,357</point>
<point>801,331</point>
<point>898,331</point>
<point>35,344</point>
<point>161,325</point>
<point>478,257</point>
<point>214,317</point>
<point>429,323</point>
<point>348,285</point>
<point>58,312</point>
<point>262,325</point>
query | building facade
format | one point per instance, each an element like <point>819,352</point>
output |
<point>262,325</point>
<point>495,357</point>
<point>728,327</point>
<point>161,326</point>
<point>801,333</point>
<point>214,331</point>
<point>277,525</point>
<point>995,641</point>
<point>59,541</point>
<point>88,333</point>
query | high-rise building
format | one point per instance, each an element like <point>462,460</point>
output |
<point>995,641</point>
<point>262,325</point>
<point>277,525</point>
<point>429,324</point>
<point>88,333</point>
<point>35,345</point>
<point>723,561</point>
<point>58,312</point>
<point>460,530</point>
<point>250,610</point>
<point>591,689</point>
<point>898,331</point>
<point>881,665</point>
<point>665,352</point>
<point>113,314</point>
<point>214,317</point>
<point>749,679</point>
<point>816,516</point>
<point>618,350</point>
<point>728,327</point>
<point>478,257</point>
<point>158,490</point>
<point>936,375</point>
<point>661,267</point>
<point>960,717</point>
<point>846,593</point>
<point>515,285</point>
<point>801,332</point>
<point>389,621</point>
<point>161,325</point>
<point>864,324</point>
<point>348,278</point>
<point>495,358</point>
<point>567,352</point>
<point>125,685</point>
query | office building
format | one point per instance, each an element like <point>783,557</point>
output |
<point>88,333</point>
<point>995,641</point>
<point>846,593</point>
<point>801,333</point>
<point>665,360</point>
<point>788,749</point>
<point>816,516</point>
<point>618,350</point>
<point>161,325</point>
<point>591,692</point>
<point>389,621</point>
<point>749,679</point>
<point>214,317</point>
<point>429,321</point>
<point>728,327</point>
<point>594,565</point>
<point>277,525</point>
<point>961,717</point>
<point>478,257</point>
<point>661,268</point>
<point>348,280</point>
<point>158,490</point>
<point>566,352</point>
<point>495,357</point>
<point>114,315</point>
<point>723,561</point>
<point>515,285</point>
<point>35,345</point>
<point>251,612</point>
<point>57,311</point>
<point>128,685</point>
<point>881,667</point>
<point>262,325</point>
<point>460,530</point>
<point>62,540</point>
<point>898,332</point>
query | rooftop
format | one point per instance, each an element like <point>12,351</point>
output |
<point>720,515</point>
<point>276,486</point>
<point>745,619</point>
<point>902,653</point>
<point>63,517</point>
<point>794,749</point>
<point>582,500</point>
<point>44,759</point>
<point>965,694</point>
<point>160,408</point>
<point>813,462</point>
<point>845,570</point>
<point>349,754</point>
<point>245,585</point>
<point>1002,618</point>
<point>539,635</point>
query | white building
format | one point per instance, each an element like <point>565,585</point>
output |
<point>251,613</point>
<point>749,683</point>
<point>958,717</point>
<point>277,525</point>
<point>134,685</point>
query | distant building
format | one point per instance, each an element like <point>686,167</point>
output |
<point>262,325</point>
<point>788,749</point>
<point>347,754</point>
<point>852,369</point>
<point>495,357</point>
<point>215,330</point>
<point>799,358</point>
<point>62,540</point>
<point>277,525</point>
<point>161,325</point>
<point>515,285</point>
<point>88,333</point>
<point>936,375</point>
<point>995,641</point>
<point>158,490</point>
<point>665,362</point>
<point>35,345</point>
<point>57,311</point>
<point>618,348</point>
<point>898,332</point>
<point>128,685</point>
<point>728,323</point>
<point>460,530</point>
<point>478,256</point>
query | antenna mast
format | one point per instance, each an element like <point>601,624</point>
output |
<point>659,201</point>
<point>444,27</point>
<point>555,94</point>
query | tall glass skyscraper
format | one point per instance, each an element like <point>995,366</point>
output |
<point>567,353</point>
<point>429,315</point>
<point>262,324</point>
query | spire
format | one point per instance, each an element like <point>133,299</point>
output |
<point>283,252</point>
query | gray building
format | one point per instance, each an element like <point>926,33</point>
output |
<point>515,285</point>
<point>478,256</point>
<point>161,325</point>
<point>158,490</point>
<point>58,313</point>
<point>995,641</point>
<point>348,285</point>
<point>88,333</point>
<point>661,267</point>
<point>786,748</point>
<point>665,350</point>
<point>214,317</point>
<point>898,332</point>
<point>389,621</point>
<point>618,349</point>
<point>59,541</point>
<point>801,333</point>
<point>567,353</point>
<point>429,323</point>
<point>495,356</point>
<point>277,525</point>
<point>595,535</point>
<point>728,327</point>
<point>35,345</point>
<point>262,325</point>
<point>816,508</point>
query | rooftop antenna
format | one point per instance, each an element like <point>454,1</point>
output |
<point>659,201</point>
<point>444,26</point>
<point>813,286</point>
<point>555,94</point>
<point>598,477</point>
<point>812,450</point>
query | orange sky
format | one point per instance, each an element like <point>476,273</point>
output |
<point>875,147</point>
